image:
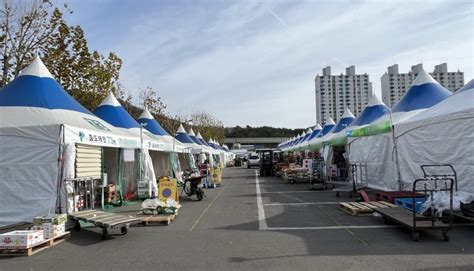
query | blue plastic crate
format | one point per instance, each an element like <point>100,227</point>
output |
<point>407,203</point>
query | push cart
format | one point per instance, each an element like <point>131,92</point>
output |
<point>427,221</point>
<point>192,186</point>
<point>104,220</point>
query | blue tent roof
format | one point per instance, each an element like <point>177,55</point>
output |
<point>346,119</point>
<point>315,132</point>
<point>36,87</point>
<point>199,137</point>
<point>193,137</point>
<point>327,127</point>
<point>182,136</point>
<point>112,112</point>
<point>151,124</point>
<point>423,93</point>
<point>469,85</point>
<point>308,134</point>
<point>374,110</point>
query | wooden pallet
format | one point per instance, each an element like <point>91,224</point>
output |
<point>156,219</point>
<point>12,252</point>
<point>363,208</point>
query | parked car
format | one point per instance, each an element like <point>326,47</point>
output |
<point>253,161</point>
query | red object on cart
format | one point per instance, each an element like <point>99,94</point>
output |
<point>389,196</point>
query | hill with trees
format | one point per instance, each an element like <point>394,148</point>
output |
<point>264,131</point>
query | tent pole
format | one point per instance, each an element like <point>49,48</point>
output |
<point>395,148</point>
<point>60,170</point>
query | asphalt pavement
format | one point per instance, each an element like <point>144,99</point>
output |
<point>256,223</point>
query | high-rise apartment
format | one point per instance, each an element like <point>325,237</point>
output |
<point>336,92</point>
<point>394,84</point>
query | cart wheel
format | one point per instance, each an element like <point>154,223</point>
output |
<point>337,194</point>
<point>187,189</point>
<point>77,225</point>
<point>292,181</point>
<point>445,236</point>
<point>386,221</point>
<point>199,195</point>
<point>105,234</point>
<point>124,230</point>
<point>416,236</point>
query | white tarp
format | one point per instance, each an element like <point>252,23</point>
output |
<point>376,153</point>
<point>28,172</point>
<point>443,134</point>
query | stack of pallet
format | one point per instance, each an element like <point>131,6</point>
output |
<point>363,208</point>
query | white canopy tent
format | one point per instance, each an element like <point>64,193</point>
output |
<point>375,148</point>
<point>39,121</point>
<point>442,134</point>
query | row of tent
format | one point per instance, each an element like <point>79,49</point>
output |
<point>47,137</point>
<point>429,125</point>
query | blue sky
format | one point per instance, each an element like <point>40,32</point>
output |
<point>254,62</point>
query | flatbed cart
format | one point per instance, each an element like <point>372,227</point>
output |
<point>193,186</point>
<point>318,178</point>
<point>417,222</point>
<point>359,181</point>
<point>104,220</point>
<point>84,189</point>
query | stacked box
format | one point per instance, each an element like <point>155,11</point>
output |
<point>56,219</point>
<point>21,239</point>
<point>51,225</point>
<point>142,190</point>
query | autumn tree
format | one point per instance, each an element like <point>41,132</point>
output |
<point>30,28</point>
<point>149,99</point>
<point>209,126</point>
<point>24,27</point>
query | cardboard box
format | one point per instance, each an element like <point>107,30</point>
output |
<point>53,231</point>
<point>56,219</point>
<point>21,239</point>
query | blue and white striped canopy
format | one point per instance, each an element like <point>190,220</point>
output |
<point>147,119</point>
<point>36,87</point>
<point>182,136</point>
<point>346,120</point>
<point>193,137</point>
<point>423,93</point>
<point>327,127</point>
<point>374,110</point>
<point>112,112</point>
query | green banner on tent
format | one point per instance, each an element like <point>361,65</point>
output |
<point>375,129</point>
<point>338,141</point>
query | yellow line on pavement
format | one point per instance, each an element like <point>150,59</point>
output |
<point>344,228</point>
<point>207,208</point>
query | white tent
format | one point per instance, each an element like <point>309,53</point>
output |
<point>154,130</point>
<point>39,123</point>
<point>375,149</point>
<point>316,143</point>
<point>443,134</point>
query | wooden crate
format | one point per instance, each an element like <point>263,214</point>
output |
<point>10,252</point>
<point>363,208</point>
